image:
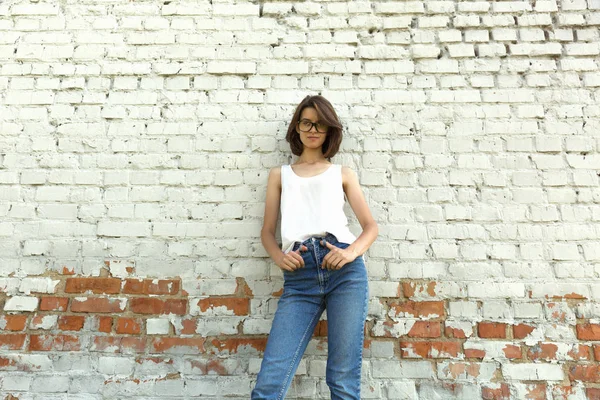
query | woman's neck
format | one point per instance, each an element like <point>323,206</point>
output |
<point>311,157</point>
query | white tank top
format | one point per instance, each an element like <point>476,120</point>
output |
<point>312,206</point>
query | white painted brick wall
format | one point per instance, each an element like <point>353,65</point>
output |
<point>135,141</point>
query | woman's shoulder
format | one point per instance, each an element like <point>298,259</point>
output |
<point>346,170</point>
<point>276,170</point>
<point>348,175</point>
<point>275,173</point>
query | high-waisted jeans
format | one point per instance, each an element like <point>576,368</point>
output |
<point>308,291</point>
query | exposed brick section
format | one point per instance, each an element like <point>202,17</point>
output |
<point>421,309</point>
<point>522,330</point>
<point>320,329</point>
<point>98,305</point>
<point>12,341</point>
<point>105,324</point>
<point>71,322</point>
<point>54,343</point>
<point>154,305</point>
<point>54,303</point>
<point>239,306</point>
<point>230,346</point>
<point>13,322</point>
<point>178,345</point>
<point>151,286</point>
<point>474,353</point>
<point>454,333</point>
<point>491,330</point>
<point>593,393</point>
<point>512,351</point>
<point>411,289</point>
<point>188,326</point>
<point>426,329</point>
<point>94,285</point>
<point>430,349</point>
<point>588,331</point>
<point>129,325</point>
<point>496,393</point>
<point>585,373</point>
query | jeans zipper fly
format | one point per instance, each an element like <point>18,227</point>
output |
<point>317,262</point>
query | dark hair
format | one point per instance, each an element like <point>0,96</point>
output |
<point>327,115</point>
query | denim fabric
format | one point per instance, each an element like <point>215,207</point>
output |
<point>308,291</point>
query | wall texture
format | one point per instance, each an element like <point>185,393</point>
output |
<point>135,143</point>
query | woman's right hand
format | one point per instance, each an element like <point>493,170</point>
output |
<point>292,260</point>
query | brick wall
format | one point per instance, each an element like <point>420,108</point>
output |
<point>135,141</point>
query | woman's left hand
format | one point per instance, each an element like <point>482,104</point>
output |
<point>337,257</point>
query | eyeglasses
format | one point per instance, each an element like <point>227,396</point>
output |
<point>306,125</point>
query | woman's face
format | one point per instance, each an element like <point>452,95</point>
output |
<point>313,138</point>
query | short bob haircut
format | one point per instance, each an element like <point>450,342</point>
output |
<point>327,115</point>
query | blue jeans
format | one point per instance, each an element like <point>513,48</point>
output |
<point>308,291</point>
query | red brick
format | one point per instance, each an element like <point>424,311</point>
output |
<point>37,322</point>
<point>522,330</point>
<point>458,369</point>
<point>420,288</point>
<point>105,324</point>
<point>430,349</point>
<point>455,333</point>
<point>54,343</point>
<point>239,305</point>
<point>231,346</point>
<point>588,332</point>
<point>148,286</point>
<point>426,329</point>
<point>153,305</point>
<point>593,393</point>
<point>597,352</point>
<point>512,351</point>
<point>7,363</point>
<point>320,329</point>
<point>95,285</point>
<point>178,345</point>
<point>535,391</point>
<point>133,344</point>
<point>130,326</point>
<point>13,341</point>
<point>501,393</point>
<point>547,351</point>
<point>70,322</point>
<point>474,353</point>
<point>98,305</point>
<point>491,330</point>
<point>107,344</point>
<point>580,352</point>
<point>563,392</point>
<point>54,303</point>
<point>422,309</point>
<point>15,322</point>
<point>585,373</point>
<point>188,326</point>
<point>67,271</point>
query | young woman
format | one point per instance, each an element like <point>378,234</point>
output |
<point>321,260</point>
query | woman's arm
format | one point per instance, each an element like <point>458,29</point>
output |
<point>267,233</point>
<point>292,260</point>
<point>360,207</point>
